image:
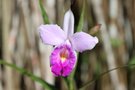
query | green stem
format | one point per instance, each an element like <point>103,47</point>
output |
<point>33,77</point>
<point>81,20</point>
<point>71,82</point>
<point>44,14</point>
<point>101,75</point>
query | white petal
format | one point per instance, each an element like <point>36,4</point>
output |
<point>68,25</point>
<point>82,41</point>
<point>52,34</point>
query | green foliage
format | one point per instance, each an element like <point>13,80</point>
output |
<point>30,75</point>
<point>98,69</point>
<point>116,42</point>
<point>81,20</point>
<point>132,61</point>
<point>44,14</point>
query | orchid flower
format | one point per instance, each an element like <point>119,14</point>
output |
<point>63,57</point>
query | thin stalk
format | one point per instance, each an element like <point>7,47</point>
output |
<point>101,75</point>
<point>71,82</point>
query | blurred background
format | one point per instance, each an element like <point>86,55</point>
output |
<point>20,43</point>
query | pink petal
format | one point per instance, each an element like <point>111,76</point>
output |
<point>52,34</point>
<point>82,41</point>
<point>69,23</point>
<point>56,69</point>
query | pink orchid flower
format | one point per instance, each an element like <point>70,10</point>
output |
<point>63,58</point>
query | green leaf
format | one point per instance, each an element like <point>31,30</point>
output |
<point>132,61</point>
<point>81,21</point>
<point>97,69</point>
<point>116,42</point>
<point>30,75</point>
<point>44,14</point>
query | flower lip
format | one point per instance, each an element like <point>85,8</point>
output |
<point>63,59</point>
